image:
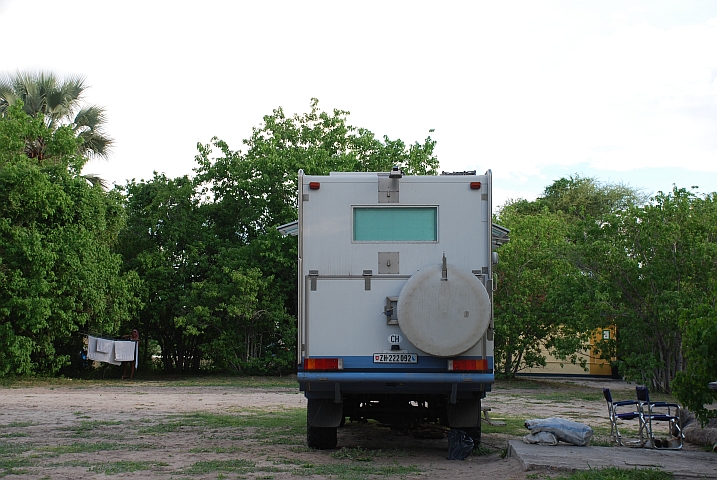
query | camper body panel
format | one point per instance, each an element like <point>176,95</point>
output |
<point>362,237</point>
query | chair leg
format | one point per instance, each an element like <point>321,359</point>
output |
<point>645,434</point>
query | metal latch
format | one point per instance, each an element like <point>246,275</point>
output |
<point>367,279</point>
<point>313,275</point>
<point>391,310</point>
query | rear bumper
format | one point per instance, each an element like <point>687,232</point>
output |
<point>335,385</point>
<point>396,377</point>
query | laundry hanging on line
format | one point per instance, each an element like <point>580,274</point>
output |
<point>112,351</point>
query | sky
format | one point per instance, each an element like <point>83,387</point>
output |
<point>624,91</point>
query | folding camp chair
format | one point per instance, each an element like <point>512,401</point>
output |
<point>660,412</point>
<point>623,410</point>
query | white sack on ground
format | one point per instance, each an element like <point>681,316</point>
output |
<point>541,438</point>
<point>565,430</point>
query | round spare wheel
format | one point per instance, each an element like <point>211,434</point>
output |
<point>443,317</point>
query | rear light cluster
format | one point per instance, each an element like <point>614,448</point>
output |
<point>467,365</point>
<point>323,364</point>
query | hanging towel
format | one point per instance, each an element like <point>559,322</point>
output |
<point>104,346</point>
<point>94,354</point>
<point>124,350</point>
<point>111,356</point>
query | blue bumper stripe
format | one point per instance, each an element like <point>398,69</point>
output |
<point>395,377</point>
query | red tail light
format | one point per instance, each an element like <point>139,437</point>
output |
<point>475,185</point>
<point>467,365</point>
<point>323,364</point>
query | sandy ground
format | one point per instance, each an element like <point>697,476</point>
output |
<point>143,429</point>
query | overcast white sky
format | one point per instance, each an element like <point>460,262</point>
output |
<point>624,91</point>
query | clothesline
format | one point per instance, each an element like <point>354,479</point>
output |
<point>104,337</point>
<point>112,351</point>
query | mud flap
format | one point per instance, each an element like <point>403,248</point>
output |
<point>324,412</point>
<point>464,413</point>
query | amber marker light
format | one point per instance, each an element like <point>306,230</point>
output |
<point>323,364</point>
<point>467,365</point>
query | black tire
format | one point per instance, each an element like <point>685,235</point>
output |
<point>473,432</point>
<point>321,438</point>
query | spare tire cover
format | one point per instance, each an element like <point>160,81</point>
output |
<point>443,317</point>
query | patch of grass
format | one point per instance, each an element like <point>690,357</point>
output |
<point>602,441</point>
<point>514,425</point>
<point>18,425</point>
<point>366,455</point>
<point>155,381</point>
<point>211,466</point>
<point>357,454</point>
<point>286,427</point>
<point>517,383</point>
<point>14,466</point>
<point>300,449</point>
<point>568,396</point>
<point>7,448</point>
<point>84,447</point>
<point>86,426</point>
<point>161,428</point>
<point>289,461</point>
<point>73,463</point>
<point>294,417</point>
<point>232,449</point>
<point>14,435</point>
<point>614,473</point>
<point>481,450</point>
<point>239,382</point>
<point>359,471</point>
<point>124,466</point>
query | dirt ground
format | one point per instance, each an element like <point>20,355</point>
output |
<point>154,429</point>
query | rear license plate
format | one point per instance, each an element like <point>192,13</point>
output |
<point>395,358</point>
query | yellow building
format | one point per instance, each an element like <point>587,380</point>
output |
<point>595,365</point>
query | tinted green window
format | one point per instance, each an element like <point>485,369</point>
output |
<point>396,224</point>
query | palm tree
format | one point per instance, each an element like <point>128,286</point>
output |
<point>59,101</point>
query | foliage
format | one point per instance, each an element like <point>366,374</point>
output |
<point>57,271</point>
<point>59,103</point>
<point>220,279</point>
<point>698,320</point>
<point>529,265</point>
<point>256,191</point>
<point>658,264</point>
<point>545,301</point>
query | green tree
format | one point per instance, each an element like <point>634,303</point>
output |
<point>164,242</point>
<point>547,299</point>
<point>220,279</point>
<point>530,267</point>
<point>257,190</point>
<point>658,264</point>
<point>60,103</point>
<point>57,270</point>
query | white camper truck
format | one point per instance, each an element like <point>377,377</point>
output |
<point>395,319</point>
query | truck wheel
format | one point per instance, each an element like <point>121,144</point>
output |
<point>473,432</point>
<point>321,438</point>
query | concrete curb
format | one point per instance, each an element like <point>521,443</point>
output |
<point>570,458</point>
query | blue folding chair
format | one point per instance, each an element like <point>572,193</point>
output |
<point>623,410</point>
<point>660,412</point>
